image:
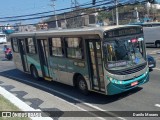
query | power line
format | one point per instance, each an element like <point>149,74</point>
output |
<point>108,8</point>
<point>40,13</point>
<point>60,19</point>
<point>74,3</point>
<point>54,15</point>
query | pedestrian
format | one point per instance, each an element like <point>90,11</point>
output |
<point>8,54</point>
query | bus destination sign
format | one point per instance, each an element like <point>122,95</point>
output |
<point>123,32</point>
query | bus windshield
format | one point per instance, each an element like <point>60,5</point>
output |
<point>124,52</point>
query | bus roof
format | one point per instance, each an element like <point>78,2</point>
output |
<point>78,31</point>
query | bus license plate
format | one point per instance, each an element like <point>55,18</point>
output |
<point>134,83</point>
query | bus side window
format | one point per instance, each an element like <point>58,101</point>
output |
<point>15,45</point>
<point>74,48</point>
<point>30,46</point>
<point>56,47</point>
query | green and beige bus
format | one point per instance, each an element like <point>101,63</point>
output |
<point>109,60</point>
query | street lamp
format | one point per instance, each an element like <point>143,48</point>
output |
<point>55,16</point>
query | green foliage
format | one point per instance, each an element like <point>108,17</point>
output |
<point>6,105</point>
<point>104,15</point>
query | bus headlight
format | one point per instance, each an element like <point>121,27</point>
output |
<point>111,79</point>
<point>120,82</point>
<point>114,80</point>
<point>146,72</point>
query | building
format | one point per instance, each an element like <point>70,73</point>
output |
<point>73,19</point>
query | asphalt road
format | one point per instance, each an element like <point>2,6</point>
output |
<point>143,98</point>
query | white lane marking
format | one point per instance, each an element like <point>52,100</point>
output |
<point>157,105</point>
<point>6,70</point>
<point>87,104</point>
<point>157,69</point>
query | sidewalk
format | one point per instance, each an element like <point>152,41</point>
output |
<point>20,104</point>
<point>28,98</point>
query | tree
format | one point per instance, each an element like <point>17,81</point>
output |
<point>104,15</point>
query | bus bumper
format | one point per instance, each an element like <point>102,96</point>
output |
<point>114,88</point>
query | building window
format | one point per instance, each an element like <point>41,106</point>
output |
<point>30,46</point>
<point>15,45</point>
<point>56,48</point>
<point>74,48</point>
<point>92,19</point>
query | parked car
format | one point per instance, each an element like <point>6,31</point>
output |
<point>151,62</point>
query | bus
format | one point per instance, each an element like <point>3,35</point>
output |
<point>3,38</point>
<point>107,60</point>
<point>151,33</point>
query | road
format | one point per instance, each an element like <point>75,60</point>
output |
<point>55,96</point>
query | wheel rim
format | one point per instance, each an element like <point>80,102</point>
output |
<point>82,85</point>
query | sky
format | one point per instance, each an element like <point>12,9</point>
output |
<point>23,7</point>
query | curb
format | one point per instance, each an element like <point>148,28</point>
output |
<point>20,104</point>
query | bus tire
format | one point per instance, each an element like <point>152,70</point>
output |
<point>82,85</point>
<point>34,72</point>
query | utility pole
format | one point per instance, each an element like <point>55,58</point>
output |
<point>113,16</point>
<point>117,14</point>
<point>136,13</point>
<point>53,5</point>
<point>75,22</point>
<point>74,3</point>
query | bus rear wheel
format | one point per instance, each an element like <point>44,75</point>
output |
<point>34,73</point>
<point>82,85</point>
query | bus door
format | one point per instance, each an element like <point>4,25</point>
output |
<point>43,56</point>
<point>22,51</point>
<point>95,65</point>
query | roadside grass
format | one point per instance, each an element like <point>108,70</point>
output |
<point>6,105</point>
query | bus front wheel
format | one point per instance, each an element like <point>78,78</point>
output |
<point>34,72</point>
<point>82,85</point>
